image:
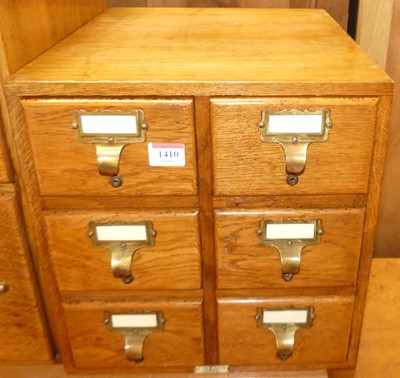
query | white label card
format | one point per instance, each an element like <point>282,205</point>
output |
<point>290,231</point>
<point>109,124</point>
<point>134,321</point>
<point>166,154</point>
<point>121,233</point>
<point>295,124</point>
<point>285,316</point>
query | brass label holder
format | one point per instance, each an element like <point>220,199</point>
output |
<point>110,131</point>
<point>123,240</point>
<point>290,243</point>
<point>284,323</point>
<point>135,327</point>
<point>295,130</point>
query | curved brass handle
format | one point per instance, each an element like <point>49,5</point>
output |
<point>285,337</point>
<point>108,139</point>
<point>290,260</point>
<point>108,157</point>
<point>290,247</point>
<point>122,244</point>
<point>121,263</point>
<point>295,137</point>
<point>135,327</point>
<point>296,158</point>
<point>134,344</point>
<point>4,287</point>
<point>284,323</point>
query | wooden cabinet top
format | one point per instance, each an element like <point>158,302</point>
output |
<point>205,52</point>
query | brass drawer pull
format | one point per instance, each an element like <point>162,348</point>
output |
<point>123,240</point>
<point>289,237</point>
<point>284,323</point>
<point>135,327</point>
<point>110,131</point>
<point>295,130</point>
<point>4,287</point>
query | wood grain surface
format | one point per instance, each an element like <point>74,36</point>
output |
<point>338,166</point>
<point>238,332</point>
<point>73,170</point>
<point>173,263</point>
<point>180,344</point>
<point>6,172</point>
<point>371,218</point>
<point>378,355</point>
<point>298,202</point>
<point>243,263</point>
<point>166,53</point>
<point>387,236</point>
<point>373,28</point>
<point>25,38</point>
<point>338,9</point>
<point>121,202</point>
<point>24,336</point>
<point>32,212</point>
<point>236,58</point>
<point>203,136</point>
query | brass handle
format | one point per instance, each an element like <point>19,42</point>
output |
<point>135,327</point>
<point>290,246</point>
<point>121,262</point>
<point>296,158</point>
<point>124,245</point>
<point>285,338</point>
<point>109,141</point>
<point>284,323</point>
<point>4,287</point>
<point>134,344</point>
<point>295,138</point>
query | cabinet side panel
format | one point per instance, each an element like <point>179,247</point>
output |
<point>381,133</point>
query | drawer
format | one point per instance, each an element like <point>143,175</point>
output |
<point>67,166</point>
<point>248,260</point>
<point>169,260</point>
<point>324,340</point>
<point>339,165</point>
<point>23,336</point>
<point>179,341</point>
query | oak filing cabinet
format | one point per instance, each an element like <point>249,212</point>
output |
<point>206,182</point>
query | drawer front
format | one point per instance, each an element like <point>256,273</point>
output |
<point>325,341</point>
<point>179,343</point>
<point>245,261</point>
<point>339,165</point>
<point>172,261</point>
<point>23,336</point>
<point>67,166</point>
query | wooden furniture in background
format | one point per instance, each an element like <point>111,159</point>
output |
<point>379,35</point>
<point>224,85</point>
<point>338,9</point>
